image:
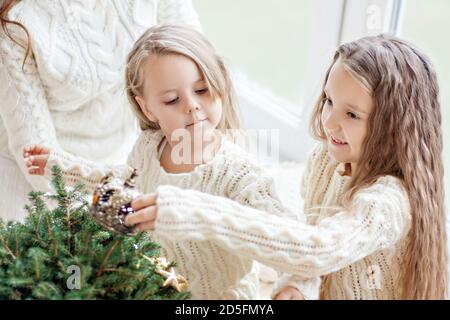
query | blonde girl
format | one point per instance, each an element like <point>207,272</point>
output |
<point>181,93</point>
<point>373,187</point>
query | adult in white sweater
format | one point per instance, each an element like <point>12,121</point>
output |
<point>70,93</point>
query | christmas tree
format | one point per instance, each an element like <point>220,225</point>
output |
<point>62,253</point>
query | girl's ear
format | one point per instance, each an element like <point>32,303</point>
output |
<point>143,105</point>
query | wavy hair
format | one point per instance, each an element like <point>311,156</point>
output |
<point>404,140</point>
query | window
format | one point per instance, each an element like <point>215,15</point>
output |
<point>264,40</point>
<point>368,17</point>
<point>278,51</point>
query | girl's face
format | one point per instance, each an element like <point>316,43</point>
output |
<point>345,115</point>
<point>176,96</point>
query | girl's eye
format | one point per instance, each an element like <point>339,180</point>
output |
<point>173,101</point>
<point>202,91</point>
<point>352,115</point>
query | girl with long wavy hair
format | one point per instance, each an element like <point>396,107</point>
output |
<point>373,187</point>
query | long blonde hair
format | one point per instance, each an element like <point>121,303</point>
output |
<point>171,39</point>
<point>404,140</point>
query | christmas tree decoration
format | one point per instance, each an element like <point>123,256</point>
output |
<point>63,253</point>
<point>111,202</point>
<point>178,282</point>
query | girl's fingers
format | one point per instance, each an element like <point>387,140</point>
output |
<point>146,226</point>
<point>298,297</point>
<point>289,293</point>
<point>41,160</point>
<point>38,161</point>
<point>143,201</point>
<point>34,168</point>
<point>36,164</point>
<point>29,162</point>
<point>147,214</point>
<point>35,150</point>
<point>35,171</point>
<point>28,151</point>
<point>283,295</point>
<point>41,149</point>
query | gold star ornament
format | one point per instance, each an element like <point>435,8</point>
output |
<point>178,282</point>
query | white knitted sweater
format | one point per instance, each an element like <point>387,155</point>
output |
<point>71,95</point>
<point>359,247</point>
<point>212,272</point>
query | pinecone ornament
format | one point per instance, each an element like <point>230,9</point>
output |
<point>111,202</point>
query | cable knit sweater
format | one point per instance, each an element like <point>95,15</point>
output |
<point>212,272</point>
<point>359,247</point>
<point>70,95</point>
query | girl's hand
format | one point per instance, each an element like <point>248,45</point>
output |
<point>145,212</point>
<point>289,293</point>
<point>36,158</point>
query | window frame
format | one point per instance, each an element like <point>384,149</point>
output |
<point>262,110</point>
<point>335,22</point>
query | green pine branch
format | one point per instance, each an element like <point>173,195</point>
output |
<point>36,256</point>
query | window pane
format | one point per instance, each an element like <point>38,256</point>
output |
<point>264,39</point>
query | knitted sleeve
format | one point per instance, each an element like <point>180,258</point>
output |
<point>249,185</point>
<point>87,173</point>
<point>310,288</point>
<point>90,173</point>
<point>178,12</point>
<point>24,109</point>
<point>377,218</point>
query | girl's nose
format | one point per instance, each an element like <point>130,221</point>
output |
<point>192,106</point>
<point>330,121</point>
